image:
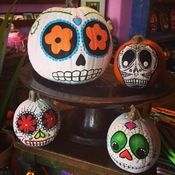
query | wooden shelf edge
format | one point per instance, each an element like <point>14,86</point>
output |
<point>59,158</point>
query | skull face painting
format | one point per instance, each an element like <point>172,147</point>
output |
<point>137,63</point>
<point>70,45</point>
<point>36,123</point>
<point>133,146</point>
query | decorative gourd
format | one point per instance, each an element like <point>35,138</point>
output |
<point>139,62</point>
<point>133,142</point>
<point>70,45</point>
<point>36,122</point>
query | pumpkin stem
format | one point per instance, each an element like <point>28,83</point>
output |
<point>69,3</point>
<point>133,114</point>
<point>33,96</point>
<point>138,38</point>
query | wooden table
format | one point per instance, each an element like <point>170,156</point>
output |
<point>96,105</point>
<point>97,101</point>
<point>74,158</point>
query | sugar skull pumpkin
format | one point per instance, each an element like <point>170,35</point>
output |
<point>70,45</point>
<point>133,143</point>
<point>36,122</point>
<point>139,63</point>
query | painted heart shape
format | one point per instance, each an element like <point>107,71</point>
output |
<point>125,154</point>
<point>77,21</point>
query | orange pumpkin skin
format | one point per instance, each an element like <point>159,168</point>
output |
<point>139,40</point>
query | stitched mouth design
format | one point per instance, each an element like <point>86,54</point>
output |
<point>38,142</point>
<point>76,76</point>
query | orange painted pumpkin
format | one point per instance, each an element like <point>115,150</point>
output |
<point>139,62</point>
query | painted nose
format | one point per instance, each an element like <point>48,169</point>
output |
<point>125,154</point>
<point>136,71</point>
<point>81,60</point>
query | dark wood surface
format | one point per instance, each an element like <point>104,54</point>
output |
<point>75,157</point>
<point>89,123</point>
<point>101,93</point>
<point>104,92</point>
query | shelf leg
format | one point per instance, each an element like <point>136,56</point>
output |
<point>90,125</point>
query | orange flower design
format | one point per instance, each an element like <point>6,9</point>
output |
<point>98,37</point>
<point>59,39</point>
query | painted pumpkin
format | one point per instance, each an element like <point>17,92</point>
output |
<point>133,143</point>
<point>70,45</point>
<point>36,122</point>
<point>139,62</point>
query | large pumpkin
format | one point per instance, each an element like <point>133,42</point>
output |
<point>133,143</point>
<point>139,62</point>
<point>36,122</point>
<point>70,45</point>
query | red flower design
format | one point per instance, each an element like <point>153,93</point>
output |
<point>49,119</point>
<point>27,123</point>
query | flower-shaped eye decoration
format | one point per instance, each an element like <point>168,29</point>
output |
<point>59,40</point>
<point>27,123</point>
<point>96,38</point>
<point>49,119</point>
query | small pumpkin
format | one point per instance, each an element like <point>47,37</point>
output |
<point>133,142</point>
<point>139,63</point>
<point>70,45</point>
<point>36,122</point>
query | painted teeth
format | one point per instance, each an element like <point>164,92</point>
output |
<point>77,75</point>
<point>136,82</point>
<point>39,143</point>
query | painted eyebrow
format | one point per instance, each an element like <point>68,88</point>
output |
<point>92,13</point>
<point>57,12</point>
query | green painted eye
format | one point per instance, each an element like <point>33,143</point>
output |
<point>139,146</point>
<point>118,141</point>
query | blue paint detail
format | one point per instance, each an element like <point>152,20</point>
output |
<point>77,21</point>
<point>84,45</point>
<point>65,173</point>
<point>140,17</point>
<point>74,51</point>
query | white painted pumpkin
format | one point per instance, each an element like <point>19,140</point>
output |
<point>133,144</point>
<point>36,122</point>
<point>70,45</point>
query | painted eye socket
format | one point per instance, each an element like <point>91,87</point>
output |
<point>96,38</point>
<point>118,141</point>
<point>145,59</point>
<point>27,123</point>
<point>59,40</point>
<point>49,119</point>
<point>128,58</point>
<point>139,146</point>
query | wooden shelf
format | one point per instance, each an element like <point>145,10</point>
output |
<point>105,92</point>
<point>78,159</point>
<point>82,159</point>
